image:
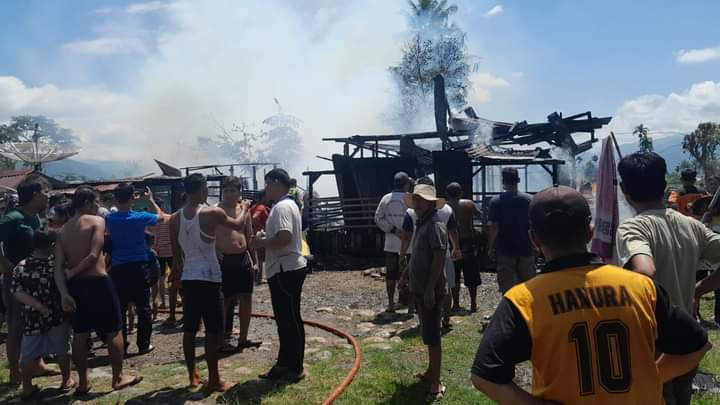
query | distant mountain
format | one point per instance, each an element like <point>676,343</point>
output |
<point>92,169</point>
<point>669,147</point>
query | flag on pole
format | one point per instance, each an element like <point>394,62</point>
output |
<point>606,203</point>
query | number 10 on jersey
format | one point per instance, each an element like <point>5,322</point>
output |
<point>607,348</point>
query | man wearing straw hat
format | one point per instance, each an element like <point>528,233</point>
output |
<point>427,280</point>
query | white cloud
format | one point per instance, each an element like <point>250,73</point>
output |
<point>148,7</point>
<point>107,46</point>
<point>104,10</point>
<point>481,85</point>
<point>676,112</point>
<point>100,118</point>
<point>698,55</point>
<point>494,11</point>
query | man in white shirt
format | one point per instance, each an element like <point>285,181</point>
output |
<point>389,218</point>
<point>285,269</point>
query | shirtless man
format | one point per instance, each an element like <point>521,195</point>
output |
<point>238,265</point>
<point>86,289</point>
<point>193,231</point>
<point>464,211</point>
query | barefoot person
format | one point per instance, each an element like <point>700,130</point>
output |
<point>238,266</point>
<point>465,211</point>
<point>286,269</point>
<point>16,234</point>
<point>193,233</point>
<point>46,330</point>
<point>87,291</point>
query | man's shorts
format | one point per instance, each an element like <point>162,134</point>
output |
<point>392,266</point>
<point>13,310</point>
<point>468,265</point>
<point>98,305</point>
<point>203,301</point>
<point>512,270</point>
<point>430,319</point>
<point>56,342</point>
<point>237,275</point>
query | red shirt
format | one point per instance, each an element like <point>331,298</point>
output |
<point>260,215</point>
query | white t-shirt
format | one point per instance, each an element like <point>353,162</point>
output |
<point>284,216</point>
<point>389,216</point>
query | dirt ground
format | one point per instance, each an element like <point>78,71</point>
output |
<point>350,300</point>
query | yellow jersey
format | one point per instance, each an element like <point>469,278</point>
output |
<point>593,334</point>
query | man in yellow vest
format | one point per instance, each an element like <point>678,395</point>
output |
<point>591,330</point>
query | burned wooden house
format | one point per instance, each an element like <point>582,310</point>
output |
<point>465,148</point>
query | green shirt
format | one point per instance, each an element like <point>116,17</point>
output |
<point>16,234</point>
<point>430,238</point>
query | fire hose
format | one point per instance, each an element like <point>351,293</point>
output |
<point>335,331</point>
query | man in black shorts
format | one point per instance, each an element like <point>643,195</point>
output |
<point>464,211</point>
<point>87,290</point>
<point>238,271</point>
<point>193,231</point>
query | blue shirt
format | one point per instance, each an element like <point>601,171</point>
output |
<point>127,235</point>
<point>510,212</point>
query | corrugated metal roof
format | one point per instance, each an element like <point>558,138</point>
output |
<point>11,178</point>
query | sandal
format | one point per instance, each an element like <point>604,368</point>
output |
<point>81,393</point>
<point>31,395</point>
<point>438,395</point>
<point>228,348</point>
<point>248,344</point>
<point>68,388</point>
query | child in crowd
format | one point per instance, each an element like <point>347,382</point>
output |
<point>46,331</point>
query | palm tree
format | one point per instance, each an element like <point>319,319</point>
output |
<point>645,143</point>
<point>432,11</point>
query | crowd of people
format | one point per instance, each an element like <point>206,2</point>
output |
<point>98,262</point>
<point>594,331</point>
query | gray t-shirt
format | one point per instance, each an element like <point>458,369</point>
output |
<point>430,237</point>
<point>677,244</point>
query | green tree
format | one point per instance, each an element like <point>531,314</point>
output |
<point>645,143</point>
<point>434,46</point>
<point>701,144</point>
<point>282,141</point>
<point>48,129</point>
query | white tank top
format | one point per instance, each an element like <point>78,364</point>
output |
<point>201,261</point>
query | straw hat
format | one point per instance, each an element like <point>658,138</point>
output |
<point>427,193</point>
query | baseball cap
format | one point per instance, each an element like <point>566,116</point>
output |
<point>559,213</point>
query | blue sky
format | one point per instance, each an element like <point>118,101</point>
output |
<point>128,73</point>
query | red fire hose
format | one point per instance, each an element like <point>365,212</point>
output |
<point>335,331</point>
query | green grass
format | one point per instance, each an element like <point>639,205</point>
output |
<point>386,376</point>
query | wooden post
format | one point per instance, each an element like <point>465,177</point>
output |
<point>617,147</point>
<point>254,174</point>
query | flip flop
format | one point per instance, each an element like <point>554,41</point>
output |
<point>81,393</point>
<point>228,348</point>
<point>135,381</point>
<point>32,395</point>
<point>65,390</point>
<point>438,395</point>
<point>248,344</point>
